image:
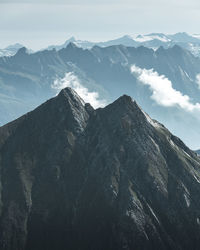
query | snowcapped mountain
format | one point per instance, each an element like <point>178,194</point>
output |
<point>183,37</point>
<point>152,36</point>
<point>178,37</point>
<point>125,40</point>
<point>11,50</point>
<point>153,40</point>
<point>79,43</point>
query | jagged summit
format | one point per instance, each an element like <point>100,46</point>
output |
<point>71,45</point>
<point>67,90</point>
<point>124,105</point>
<point>21,51</point>
<point>125,99</point>
<point>69,93</point>
<point>124,102</point>
<point>71,39</point>
<point>72,177</point>
<point>127,109</point>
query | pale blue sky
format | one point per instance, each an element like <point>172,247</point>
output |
<point>40,23</point>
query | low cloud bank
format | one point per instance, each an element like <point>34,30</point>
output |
<point>163,92</point>
<point>72,81</point>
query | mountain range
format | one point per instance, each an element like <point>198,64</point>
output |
<point>72,177</point>
<point>152,40</point>
<point>165,82</point>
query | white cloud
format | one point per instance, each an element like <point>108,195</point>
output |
<point>72,81</point>
<point>198,80</point>
<point>163,92</point>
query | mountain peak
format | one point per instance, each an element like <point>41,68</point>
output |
<point>125,99</point>
<point>71,45</point>
<point>125,106</point>
<point>21,51</point>
<point>70,94</point>
<point>105,175</point>
<point>67,91</point>
<point>70,40</point>
<point>67,109</point>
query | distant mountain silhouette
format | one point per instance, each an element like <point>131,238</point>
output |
<point>153,40</point>
<point>11,50</point>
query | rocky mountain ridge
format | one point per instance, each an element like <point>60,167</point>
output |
<point>27,80</point>
<point>72,177</point>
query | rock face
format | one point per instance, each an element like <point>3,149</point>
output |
<point>72,177</point>
<point>27,80</point>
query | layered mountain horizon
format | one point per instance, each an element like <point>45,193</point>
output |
<point>165,82</point>
<point>74,177</point>
<point>152,40</point>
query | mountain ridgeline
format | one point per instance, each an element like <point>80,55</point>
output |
<point>27,80</point>
<point>153,41</point>
<point>72,177</point>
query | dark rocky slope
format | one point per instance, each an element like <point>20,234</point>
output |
<point>72,177</point>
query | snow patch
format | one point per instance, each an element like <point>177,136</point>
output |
<point>196,178</point>
<point>153,123</point>
<point>153,214</point>
<point>187,200</point>
<point>196,36</point>
<point>147,38</point>
<point>155,144</point>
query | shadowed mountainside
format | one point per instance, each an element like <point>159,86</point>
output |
<point>72,177</point>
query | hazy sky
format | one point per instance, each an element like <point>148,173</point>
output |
<point>38,23</point>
